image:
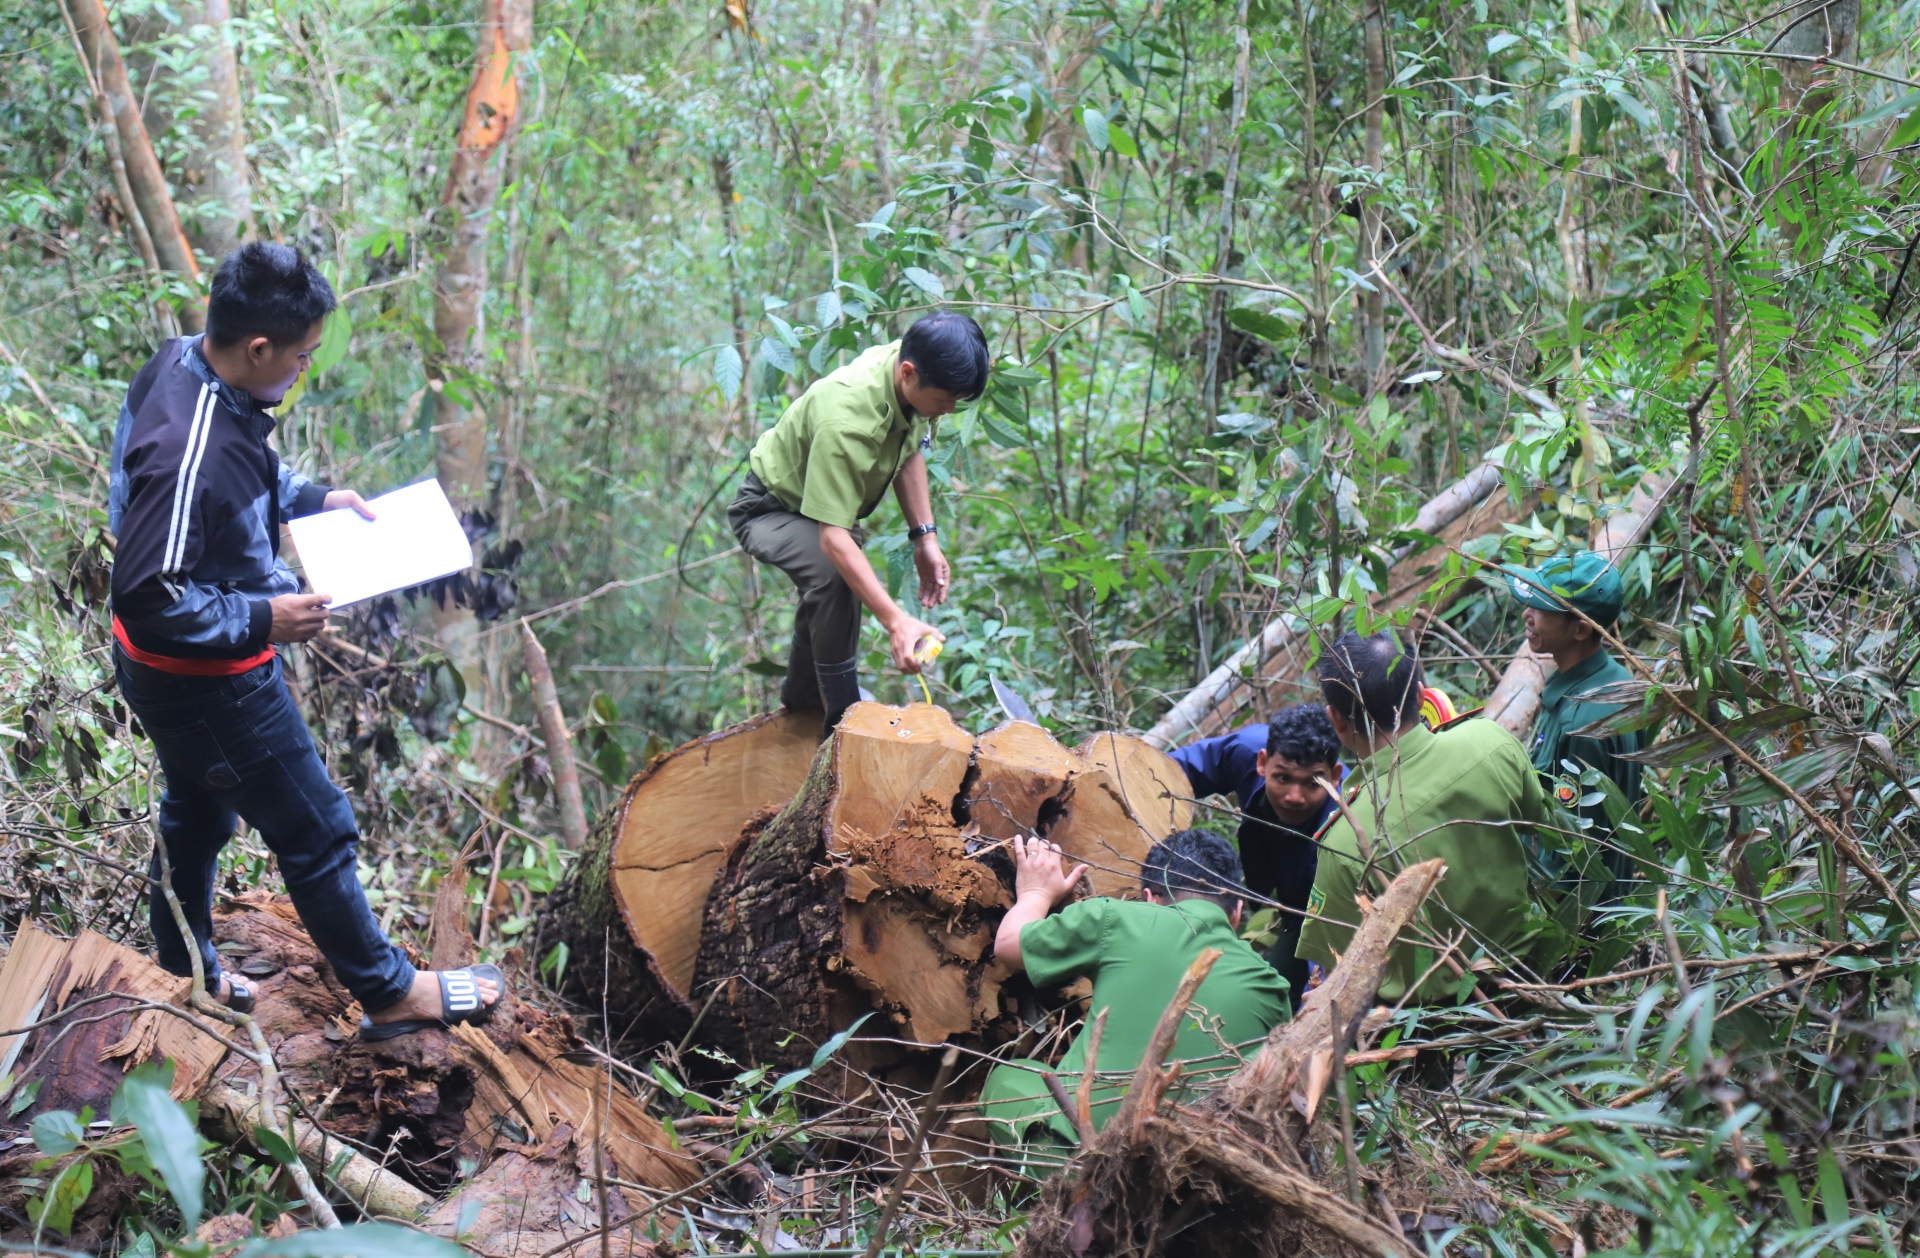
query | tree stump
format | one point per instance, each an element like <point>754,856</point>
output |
<point>629,913</point>
<point>880,886</point>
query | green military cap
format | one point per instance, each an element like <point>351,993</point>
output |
<point>1584,582</point>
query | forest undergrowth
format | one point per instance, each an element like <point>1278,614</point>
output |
<point>1260,280</point>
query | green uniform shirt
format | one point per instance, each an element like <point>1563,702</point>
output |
<point>1451,794</point>
<point>1136,955</point>
<point>1562,711</point>
<point>837,449</point>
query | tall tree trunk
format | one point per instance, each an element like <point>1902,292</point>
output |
<point>147,183</point>
<point>460,287</point>
<point>1593,448</point>
<point>1373,300</point>
<point>1229,193</point>
<point>1321,349</point>
<point>876,104</point>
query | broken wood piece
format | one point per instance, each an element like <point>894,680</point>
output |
<point>553,732</point>
<point>1083,1129</point>
<point>376,1191</point>
<point>1083,1102</point>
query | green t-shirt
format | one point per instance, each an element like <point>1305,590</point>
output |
<point>1136,954</point>
<point>1455,794</point>
<point>836,450</point>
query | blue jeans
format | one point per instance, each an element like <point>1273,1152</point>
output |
<point>237,747</point>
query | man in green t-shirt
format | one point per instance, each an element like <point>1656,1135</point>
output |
<point>1464,793</point>
<point>1136,954</point>
<point>824,468</point>
<point>1567,601</point>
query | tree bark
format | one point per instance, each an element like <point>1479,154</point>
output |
<point>213,169</point>
<point>148,184</point>
<point>457,363</point>
<point>1223,238</point>
<point>553,732</point>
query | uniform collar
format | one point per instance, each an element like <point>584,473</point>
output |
<point>897,415</point>
<point>1564,683</point>
<point>195,360</point>
<point>1403,751</point>
<point>1201,913</point>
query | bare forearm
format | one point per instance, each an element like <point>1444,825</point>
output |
<point>851,563</point>
<point>910,487</point>
<point>1028,909</point>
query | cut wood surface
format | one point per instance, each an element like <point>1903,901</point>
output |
<point>878,887</point>
<point>1265,672</point>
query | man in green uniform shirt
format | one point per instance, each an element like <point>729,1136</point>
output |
<point>1462,793</point>
<point>1136,954</point>
<point>1567,601</point>
<point>824,468</point>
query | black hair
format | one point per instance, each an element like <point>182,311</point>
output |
<point>950,352</point>
<point>265,289</point>
<point>1303,734</point>
<point>1371,682</point>
<point>1189,863</point>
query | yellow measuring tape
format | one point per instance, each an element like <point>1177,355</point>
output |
<point>927,652</point>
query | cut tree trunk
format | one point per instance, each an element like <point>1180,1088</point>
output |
<point>629,914</point>
<point>878,888</point>
<point>421,1104</point>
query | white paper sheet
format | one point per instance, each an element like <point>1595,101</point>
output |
<point>413,538</point>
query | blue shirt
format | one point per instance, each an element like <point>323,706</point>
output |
<point>1278,860</point>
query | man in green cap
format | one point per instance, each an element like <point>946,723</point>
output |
<point>1463,793</point>
<point>1567,601</point>
<point>1136,954</point>
<point>823,468</point>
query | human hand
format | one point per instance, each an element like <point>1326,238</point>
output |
<point>904,636</point>
<point>347,498</point>
<point>934,572</point>
<point>1038,871</point>
<point>298,617</point>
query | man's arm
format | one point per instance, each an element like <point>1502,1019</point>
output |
<point>916,504</point>
<point>903,631</point>
<point>1039,883</point>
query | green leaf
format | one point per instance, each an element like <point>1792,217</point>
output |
<point>275,1146</point>
<point>1259,323</point>
<point>335,334</point>
<point>360,1240</point>
<point>825,1052</point>
<point>1501,42</point>
<point>29,1093</point>
<point>775,351</point>
<point>1001,435</point>
<point>926,281</point>
<point>1906,133</point>
<point>1833,1189</point>
<point>1898,105</point>
<point>766,668</point>
<point>728,371</point>
<point>1123,143</point>
<point>57,1131</point>
<point>173,1146</point>
<point>69,1193</point>
<point>1802,773</point>
<point>1096,124</point>
<point>827,310</point>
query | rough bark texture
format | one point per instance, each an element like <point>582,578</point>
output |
<point>152,201</point>
<point>878,888</point>
<point>630,911</point>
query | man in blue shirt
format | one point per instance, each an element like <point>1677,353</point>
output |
<point>1271,771</point>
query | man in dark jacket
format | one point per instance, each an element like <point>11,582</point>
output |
<point>195,501</point>
<point>1273,771</point>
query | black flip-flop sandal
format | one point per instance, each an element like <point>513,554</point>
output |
<point>459,1002</point>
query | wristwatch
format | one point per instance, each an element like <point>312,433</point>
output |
<point>919,531</point>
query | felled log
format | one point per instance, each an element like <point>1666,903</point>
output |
<point>879,886</point>
<point>1260,673</point>
<point>421,1105</point>
<point>1227,1174</point>
<point>629,912</point>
